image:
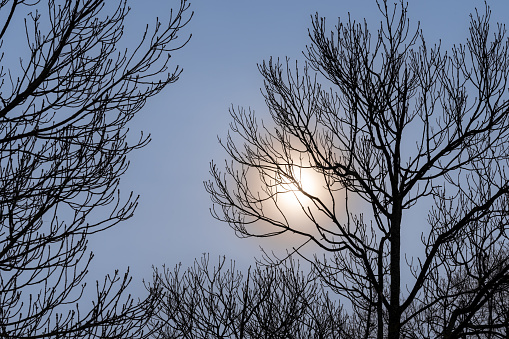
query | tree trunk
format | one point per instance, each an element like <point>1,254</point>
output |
<point>395,255</point>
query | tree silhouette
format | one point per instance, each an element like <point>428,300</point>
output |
<point>391,126</point>
<point>64,107</point>
<point>219,302</point>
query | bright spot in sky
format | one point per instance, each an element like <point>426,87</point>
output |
<point>290,192</point>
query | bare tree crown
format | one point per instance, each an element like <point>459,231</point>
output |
<point>64,110</point>
<point>388,120</point>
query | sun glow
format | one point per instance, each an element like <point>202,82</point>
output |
<point>296,189</point>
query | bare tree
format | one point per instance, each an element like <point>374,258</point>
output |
<point>219,302</point>
<point>391,126</point>
<point>64,107</point>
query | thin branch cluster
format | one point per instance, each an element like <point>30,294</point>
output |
<point>64,109</point>
<point>392,126</point>
<point>220,302</point>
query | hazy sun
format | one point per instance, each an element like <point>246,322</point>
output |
<point>289,191</point>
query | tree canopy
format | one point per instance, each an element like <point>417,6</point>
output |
<point>65,103</point>
<point>390,125</point>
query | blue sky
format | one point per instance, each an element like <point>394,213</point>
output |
<point>173,223</point>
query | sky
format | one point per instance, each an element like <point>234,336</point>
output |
<point>229,37</point>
